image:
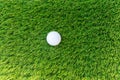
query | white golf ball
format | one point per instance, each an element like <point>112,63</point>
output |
<point>53,38</point>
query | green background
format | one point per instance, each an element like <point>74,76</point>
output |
<point>90,47</point>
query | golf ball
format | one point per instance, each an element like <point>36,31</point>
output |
<point>53,38</point>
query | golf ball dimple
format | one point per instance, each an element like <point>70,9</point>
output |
<point>53,38</point>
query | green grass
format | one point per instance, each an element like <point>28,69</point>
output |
<point>90,47</point>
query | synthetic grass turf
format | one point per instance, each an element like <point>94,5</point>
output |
<point>90,47</point>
